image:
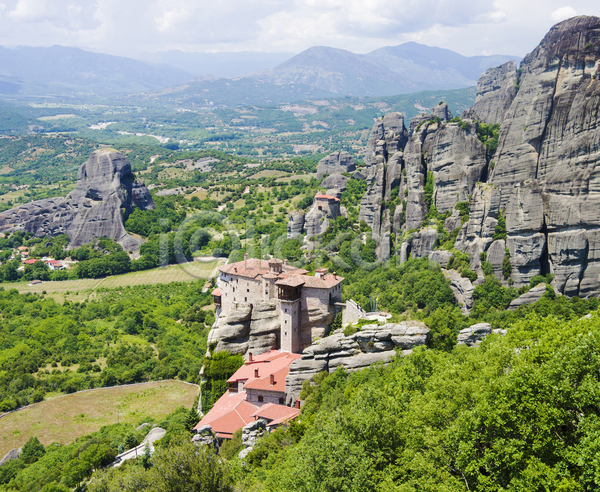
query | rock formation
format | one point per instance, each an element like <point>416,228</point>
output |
<point>336,163</point>
<point>295,226</point>
<point>251,433</point>
<point>496,90</point>
<point>546,178</point>
<point>335,181</point>
<point>13,454</point>
<point>373,344</point>
<point>105,194</point>
<point>388,136</point>
<point>324,209</point>
<point>530,297</point>
<point>543,179</point>
<point>205,436</point>
<point>255,328</point>
<point>473,335</point>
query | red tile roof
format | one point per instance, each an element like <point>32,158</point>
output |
<point>254,267</point>
<point>326,197</point>
<point>216,292</point>
<point>274,362</point>
<point>276,414</point>
<point>291,281</point>
<point>30,262</point>
<point>230,413</point>
<point>323,282</point>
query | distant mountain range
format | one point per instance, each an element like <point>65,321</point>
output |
<point>223,65</point>
<point>315,73</point>
<point>60,70</point>
<point>391,70</point>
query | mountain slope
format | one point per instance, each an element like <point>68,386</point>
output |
<point>63,70</point>
<point>226,65</point>
<point>390,70</point>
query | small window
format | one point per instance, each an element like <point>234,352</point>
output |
<point>247,290</point>
<point>245,299</point>
<point>286,321</point>
<point>260,399</point>
<point>281,401</point>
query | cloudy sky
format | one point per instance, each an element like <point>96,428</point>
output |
<point>134,27</point>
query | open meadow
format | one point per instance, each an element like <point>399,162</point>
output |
<point>81,289</point>
<point>65,418</point>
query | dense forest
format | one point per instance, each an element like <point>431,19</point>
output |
<point>127,335</point>
<point>516,413</point>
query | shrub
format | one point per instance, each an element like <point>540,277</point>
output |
<point>487,267</point>
<point>506,266</point>
<point>500,230</point>
<point>468,273</point>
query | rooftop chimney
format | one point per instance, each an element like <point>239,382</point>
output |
<point>297,404</point>
<point>272,379</point>
<point>250,357</point>
<point>245,259</point>
<point>255,373</point>
<point>285,262</point>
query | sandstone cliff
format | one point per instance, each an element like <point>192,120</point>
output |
<point>543,179</point>
<point>373,344</point>
<point>546,179</point>
<point>106,192</point>
<point>335,163</point>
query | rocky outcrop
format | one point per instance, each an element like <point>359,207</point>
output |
<point>473,335</point>
<point>458,161</point>
<point>462,289</point>
<point>251,433</point>
<point>250,328</point>
<point>423,242</point>
<point>295,226</point>
<point>205,436</point>
<point>13,454</point>
<point>372,200</point>
<point>336,163</point>
<point>388,136</point>
<point>496,90</point>
<point>335,181</point>
<point>256,327</point>
<point>265,325</point>
<point>542,184</point>
<point>232,333</point>
<point>324,209</point>
<point>529,297</point>
<point>105,194</point>
<point>546,166</point>
<point>373,344</point>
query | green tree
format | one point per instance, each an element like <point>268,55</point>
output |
<point>192,419</point>
<point>33,450</point>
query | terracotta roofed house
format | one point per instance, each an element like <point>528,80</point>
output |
<point>260,381</point>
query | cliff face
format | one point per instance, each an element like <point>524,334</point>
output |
<point>547,167</point>
<point>496,90</point>
<point>335,163</point>
<point>544,177</point>
<point>106,192</point>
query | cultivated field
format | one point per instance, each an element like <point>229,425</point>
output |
<point>77,290</point>
<point>65,418</point>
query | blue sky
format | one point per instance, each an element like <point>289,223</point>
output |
<point>134,27</point>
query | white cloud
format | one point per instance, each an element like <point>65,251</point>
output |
<point>563,13</point>
<point>135,26</point>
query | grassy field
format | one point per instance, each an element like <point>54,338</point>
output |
<point>65,418</point>
<point>77,290</point>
